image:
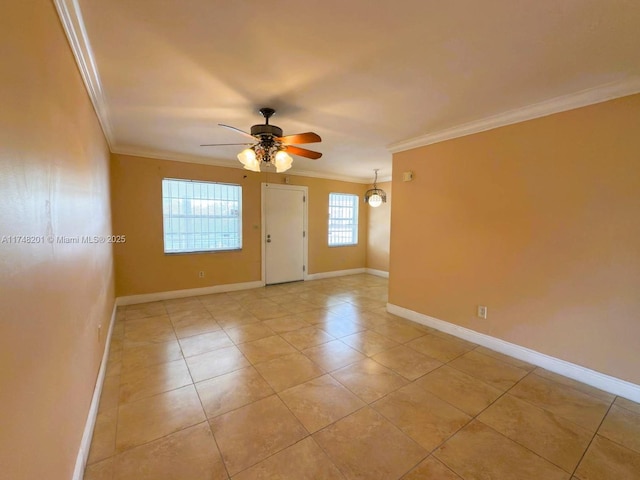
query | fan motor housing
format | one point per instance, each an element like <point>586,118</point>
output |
<point>271,130</point>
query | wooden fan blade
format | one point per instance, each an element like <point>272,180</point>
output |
<point>303,152</point>
<point>237,130</point>
<point>222,144</point>
<point>308,137</point>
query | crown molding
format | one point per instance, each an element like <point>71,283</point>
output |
<point>188,158</point>
<point>73,25</point>
<point>591,96</point>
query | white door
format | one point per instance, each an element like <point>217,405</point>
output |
<point>284,233</point>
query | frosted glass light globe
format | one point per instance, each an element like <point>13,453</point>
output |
<point>375,200</point>
<point>247,156</point>
<point>283,162</point>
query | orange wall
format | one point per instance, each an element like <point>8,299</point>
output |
<point>379,232</point>
<point>540,221</point>
<point>141,265</point>
<point>54,181</point>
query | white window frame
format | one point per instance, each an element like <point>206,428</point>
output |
<point>201,216</point>
<point>343,219</point>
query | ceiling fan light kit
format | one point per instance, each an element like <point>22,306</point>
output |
<point>375,196</point>
<point>270,146</point>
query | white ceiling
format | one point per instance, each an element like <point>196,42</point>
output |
<point>363,74</point>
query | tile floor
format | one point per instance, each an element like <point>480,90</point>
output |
<point>316,380</point>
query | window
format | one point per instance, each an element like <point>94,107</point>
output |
<point>201,216</point>
<point>343,219</point>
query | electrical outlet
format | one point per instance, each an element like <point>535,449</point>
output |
<point>482,311</point>
<point>201,274</point>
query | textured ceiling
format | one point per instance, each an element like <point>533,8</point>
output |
<point>361,73</point>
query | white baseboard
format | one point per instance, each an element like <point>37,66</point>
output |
<point>85,443</point>
<point>377,273</point>
<point>336,273</point>
<point>191,292</point>
<point>599,380</point>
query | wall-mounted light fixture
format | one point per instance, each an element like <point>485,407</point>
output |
<point>375,196</point>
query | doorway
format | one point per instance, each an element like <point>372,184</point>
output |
<point>284,233</point>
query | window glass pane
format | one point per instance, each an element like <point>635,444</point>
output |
<point>201,216</point>
<point>343,219</point>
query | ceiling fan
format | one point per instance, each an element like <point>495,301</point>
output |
<point>269,147</point>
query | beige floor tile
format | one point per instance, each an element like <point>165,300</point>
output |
<point>431,469</point>
<point>190,454</point>
<point>288,370</point>
<point>283,298</point>
<point>147,381</point>
<point>266,349</point>
<point>217,362</point>
<point>506,359</point>
<point>370,319</point>
<point>104,470</point>
<point>333,355</point>
<point>459,389</point>
<point>478,452</point>
<point>321,300</point>
<point>254,432</point>
<point>233,390</point>
<point>369,342</point>
<point>143,310</point>
<point>365,445</point>
<point>303,461</point>
<point>491,371</point>
<point>313,317</point>
<point>148,330</point>
<point>344,310</point>
<point>428,420</point>
<point>320,402</point>
<point>154,417</point>
<point>114,363</point>
<point>397,331</point>
<point>628,404</point>
<point>340,327</point>
<point>103,442</point>
<point>307,337</point>
<point>569,382</point>
<point>548,417</point>
<point>234,318</point>
<point>220,302</point>
<point>178,305</point>
<point>190,311</point>
<point>216,299</point>
<point>269,312</point>
<point>440,348</point>
<point>367,303</point>
<point>249,333</point>
<point>369,380</point>
<point>151,354</point>
<point>286,324</point>
<point>558,440</point>
<point>299,306</point>
<point>574,405</point>
<point>606,460</point>
<point>190,326</point>
<point>257,303</point>
<point>623,427</point>
<point>407,362</point>
<point>110,393</point>
<point>117,333</point>
<point>205,342</point>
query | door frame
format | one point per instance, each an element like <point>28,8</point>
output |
<point>305,225</point>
